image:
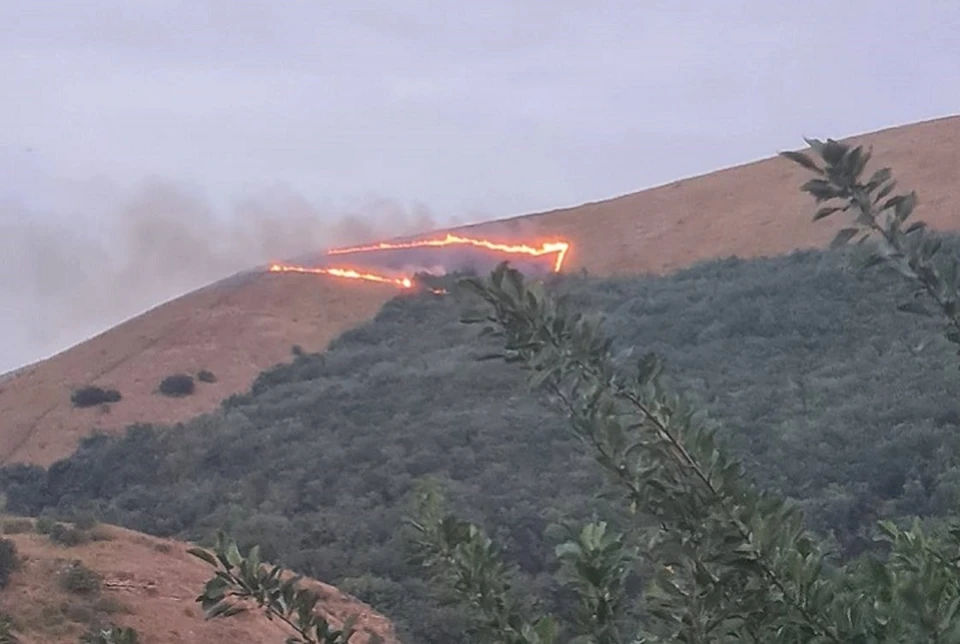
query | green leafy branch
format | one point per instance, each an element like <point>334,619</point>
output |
<point>464,557</point>
<point>596,563</point>
<point>912,249</point>
<point>240,580</point>
<point>736,556</point>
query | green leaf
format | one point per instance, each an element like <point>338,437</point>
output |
<point>833,152</point>
<point>826,211</point>
<point>887,189</point>
<point>917,225</point>
<point>821,189</point>
<point>233,554</point>
<point>203,554</point>
<point>802,159</point>
<point>843,236</point>
<point>905,206</point>
<point>815,144</point>
<point>879,177</point>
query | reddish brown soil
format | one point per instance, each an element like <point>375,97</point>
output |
<point>149,584</point>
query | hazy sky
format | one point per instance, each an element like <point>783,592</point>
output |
<point>150,146</point>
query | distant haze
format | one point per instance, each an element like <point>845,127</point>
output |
<point>150,147</point>
<point>63,279</point>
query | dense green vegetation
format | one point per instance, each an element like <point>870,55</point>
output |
<point>827,392</point>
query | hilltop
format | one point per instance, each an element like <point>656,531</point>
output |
<point>243,325</point>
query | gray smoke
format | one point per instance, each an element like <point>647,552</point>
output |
<point>68,275</point>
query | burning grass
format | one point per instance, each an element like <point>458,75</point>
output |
<point>548,254</point>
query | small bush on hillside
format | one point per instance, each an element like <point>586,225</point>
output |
<point>100,533</point>
<point>67,536</point>
<point>7,628</point>
<point>177,385</point>
<point>44,525</point>
<point>17,526</point>
<point>206,376</point>
<point>92,396</point>
<point>84,521</point>
<point>80,580</point>
<point>9,561</point>
<point>79,613</point>
<point>296,350</point>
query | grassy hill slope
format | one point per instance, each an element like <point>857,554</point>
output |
<point>239,327</point>
<point>234,329</point>
<point>133,580</point>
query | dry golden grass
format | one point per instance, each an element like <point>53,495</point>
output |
<point>148,584</point>
<point>238,327</point>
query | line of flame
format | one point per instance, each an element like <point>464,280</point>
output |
<point>547,248</point>
<point>402,282</point>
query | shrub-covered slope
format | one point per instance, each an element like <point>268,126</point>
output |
<point>240,326</point>
<point>826,391</point>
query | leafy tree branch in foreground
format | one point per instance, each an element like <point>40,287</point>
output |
<point>724,561</point>
<point>911,249</point>
<point>721,560</point>
<point>241,580</point>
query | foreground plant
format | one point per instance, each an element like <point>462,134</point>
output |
<point>724,562</point>
<point>243,580</point>
<point>112,635</point>
<point>881,218</point>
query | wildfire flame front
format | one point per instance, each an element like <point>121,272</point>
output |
<point>546,249</point>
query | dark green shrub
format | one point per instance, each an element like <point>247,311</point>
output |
<point>84,521</point>
<point>9,561</point>
<point>80,580</point>
<point>100,533</point>
<point>206,376</point>
<point>7,628</point>
<point>92,396</point>
<point>44,525</point>
<point>296,350</point>
<point>17,526</point>
<point>68,536</point>
<point>80,613</point>
<point>177,385</point>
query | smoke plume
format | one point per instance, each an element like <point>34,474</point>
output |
<point>67,276</point>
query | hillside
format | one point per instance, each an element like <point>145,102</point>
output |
<point>145,583</point>
<point>826,392</point>
<point>234,329</point>
<point>240,326</point>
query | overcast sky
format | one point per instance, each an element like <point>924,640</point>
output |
<point>135,130</point>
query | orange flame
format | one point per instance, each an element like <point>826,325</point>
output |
<point>402,282</point>
<point>548,248</point>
